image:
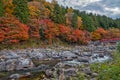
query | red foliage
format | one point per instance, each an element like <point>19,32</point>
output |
<point>65,33</point>
<point>13,30</point>
<point>71,35</point>
<point>64,29</point>
<point>99,34</point>
<point>14,41</point>
<point>79,36</point>
<point>110,40</point>
<point>50,29</point>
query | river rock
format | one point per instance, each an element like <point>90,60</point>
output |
<point>24,64</point>
<point>70,72</point>
<point>37,55</point>
<point>15,76</point>
<point>42,67</point>
<point>2,66</point>
<point>60,65</point>
<point>68,55</point>
<point>94,75</point>
<point>83,59</point>
<point>88,54</point>
<point>49,73</point>
<point>101,55</point>
<point>87,71</point>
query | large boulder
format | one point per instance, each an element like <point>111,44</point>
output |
<point>84,59</point>
<point>68,55</point>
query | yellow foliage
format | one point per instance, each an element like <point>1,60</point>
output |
<point>79,23</point>
<point>69,10</point>
<point>115,33</point>
<point>96,36</point>
<point>9,7</point>
<point>34,12</point>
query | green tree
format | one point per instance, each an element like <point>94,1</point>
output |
<point>58,14</point>
<point>2,10</point>
<point>21,10</point>
<point>74,21</point>
<point>41,33</point>
<point>88,23</point>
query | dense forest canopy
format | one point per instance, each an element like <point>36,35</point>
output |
<point>22,20</point>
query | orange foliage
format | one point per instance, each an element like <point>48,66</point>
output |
<point>50,30</point>
<point>9,7</point>
<point>65,29</point>
<point>95,36</point>
<point>114,33</point>
<point>101,31</point>
<point>65,32</point>
<point>71,35</point>
<point>38,9</point>
<point>99,34</point>
<point>13,29</point>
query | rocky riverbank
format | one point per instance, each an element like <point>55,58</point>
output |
<point>55,62</point>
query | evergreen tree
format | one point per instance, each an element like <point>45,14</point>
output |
<point>58,14</point>
<point>21,10</point>
<point>88,23</point>
<point>41,33</point>
<point>74,21</point>
<point>2,10</point>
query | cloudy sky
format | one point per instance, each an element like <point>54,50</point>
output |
<point>109,8</point>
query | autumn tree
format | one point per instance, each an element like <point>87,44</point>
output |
<point>2,10</point>
<point>65,31</point>
<point>115,33</point>
<point>9,7</point>
<point>21,10</point>
<point>48,30</point>
<point>34,9</point>
<point>34,28</point>
<point>96,36</point>
<point>99,33</point>
<point>12,30</point>
<point>80,23</point>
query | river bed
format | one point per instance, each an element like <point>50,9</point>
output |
<point>52,61</point>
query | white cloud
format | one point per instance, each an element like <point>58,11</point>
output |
<point>115,10</point>
<point>82,3</point>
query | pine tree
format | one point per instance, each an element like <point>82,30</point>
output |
<point>88,23</point>
<point>74,21</point>
<point>41,33</point>
<point>21,10</point>
<point>58,14</point>
<point>2,10</point>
